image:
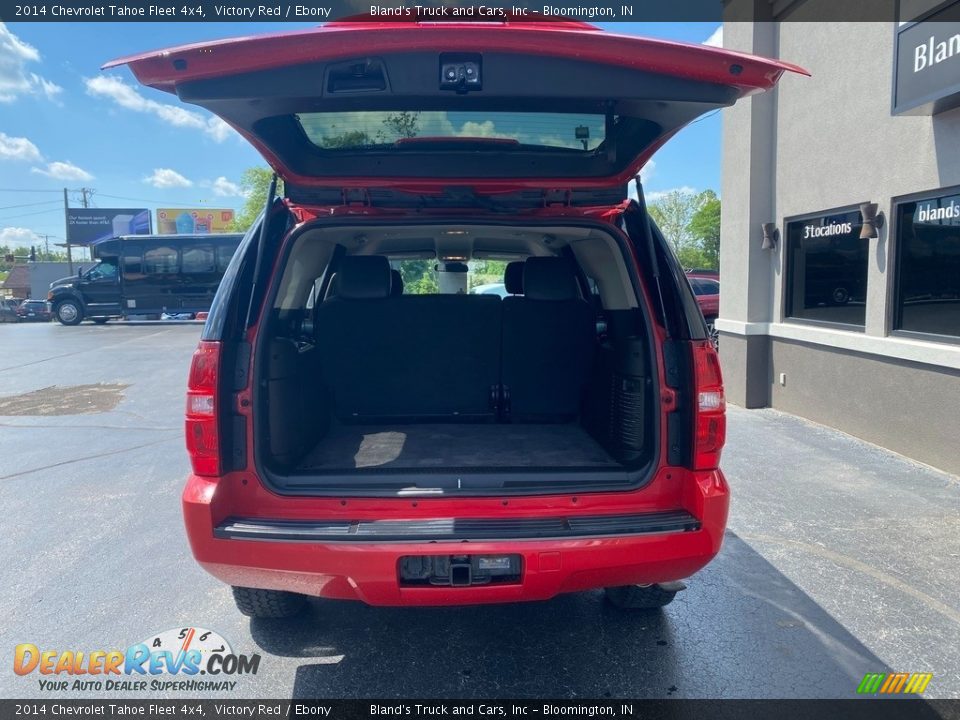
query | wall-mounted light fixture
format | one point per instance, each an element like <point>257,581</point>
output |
<point>771,236</point>
<point>872,221</point>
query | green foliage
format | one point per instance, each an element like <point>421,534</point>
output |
<point>705,228</point>
<point>419,277</point>
<point>255,183</point>
<point>486,272</point>
<point>395,126</point>
<point>691,223</point>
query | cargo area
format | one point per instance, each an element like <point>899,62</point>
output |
<point>430,446</point>
<point>371,386</point>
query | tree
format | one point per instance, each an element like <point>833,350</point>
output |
<point>705,229</point>
<point>255,183</point>
<point>485,272</point>
<point>691,224</point>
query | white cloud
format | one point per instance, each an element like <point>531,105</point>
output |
<point>18,236</point>
<point>167,178</point>
<point>224,188</point>
<point>63,171</point>
<point>715,39</point>
<point>18,148</point>
<point>15,78</point>
<point>115,89</point>
<point>660,194</point>
<point>646,172</point>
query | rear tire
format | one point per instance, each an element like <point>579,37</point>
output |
<point>69,312</point>
<point>257,603</point>
<point>639,597</point>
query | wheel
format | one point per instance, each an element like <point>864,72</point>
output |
<point>642,597</point>
<point>254,602</point>
<point>841,296</point>
<point>100,321</point>
<point>69,312</point>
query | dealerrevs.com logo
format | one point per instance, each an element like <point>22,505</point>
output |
<point>169,661</point>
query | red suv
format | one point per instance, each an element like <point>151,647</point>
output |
<point>356,433</point>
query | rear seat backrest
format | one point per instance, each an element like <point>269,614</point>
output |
<point>548,343</point>
<point>429,357</point>
<point>351,334</point>
<point>513,277</point>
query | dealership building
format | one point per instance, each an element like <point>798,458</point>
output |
<point>833,309</point>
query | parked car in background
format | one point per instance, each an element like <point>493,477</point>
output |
<point>706,288</point>
<point>8,311</point>
<point>490,289</point>
<point>451,448</point>
<point>34,311</point>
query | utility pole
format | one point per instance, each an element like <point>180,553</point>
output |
<point>66,222</point>
<point>85,194</point>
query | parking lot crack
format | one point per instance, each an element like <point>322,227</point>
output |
<point>88,457</point>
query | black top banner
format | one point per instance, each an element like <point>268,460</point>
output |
<point>493,11</point>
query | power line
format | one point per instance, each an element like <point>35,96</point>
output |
<point>45,202</point>
<point>162,203</point>
<point>26,191</point>
<point>38,212</point>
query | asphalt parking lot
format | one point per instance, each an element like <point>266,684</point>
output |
<point>840,559</point>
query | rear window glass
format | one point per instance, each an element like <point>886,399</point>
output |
<point>382,129</point>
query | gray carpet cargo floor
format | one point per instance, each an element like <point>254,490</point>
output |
<point>456,446</point>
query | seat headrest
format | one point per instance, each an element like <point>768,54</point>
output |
<point>549,278</point>
<point>364,277</point>
<point>513,277</point>
<point>396,283</point>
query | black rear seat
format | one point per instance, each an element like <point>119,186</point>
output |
<point>548,340</point>
<point>455,357</point>
<point>408,357</point>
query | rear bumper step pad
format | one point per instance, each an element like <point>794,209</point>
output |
<point>456,528</point>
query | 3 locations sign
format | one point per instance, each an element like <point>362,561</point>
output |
<point>926,73</point>
<point>90,225</point>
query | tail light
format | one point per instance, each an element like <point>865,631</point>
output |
<point>710,410</point>
<point>203,438</point>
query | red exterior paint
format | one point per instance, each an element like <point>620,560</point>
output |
<point>368,571</point>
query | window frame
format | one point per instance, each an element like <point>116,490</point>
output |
<point>788,272</point>
<point>893,317</point>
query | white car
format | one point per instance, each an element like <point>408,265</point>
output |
<point>490,289</point>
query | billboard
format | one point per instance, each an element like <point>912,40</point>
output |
<point>89,225</point>
<point>189,221</point>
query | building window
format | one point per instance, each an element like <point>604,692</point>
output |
<point>928,265</point>
<point>826,274</point>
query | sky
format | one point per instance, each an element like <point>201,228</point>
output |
<point>66,123</point>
